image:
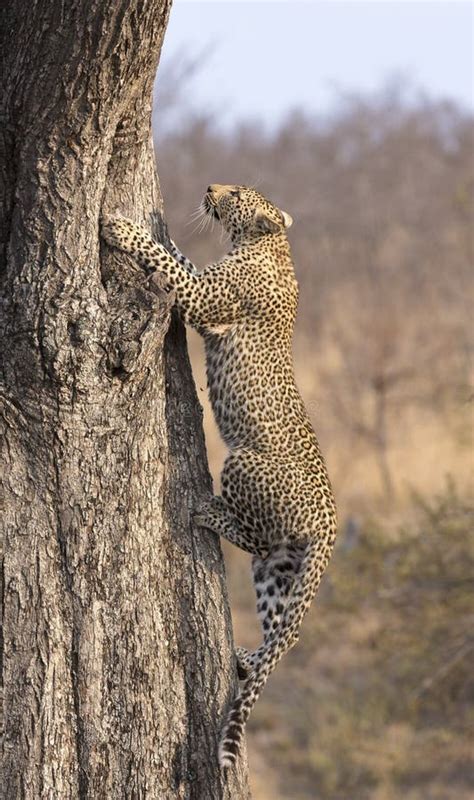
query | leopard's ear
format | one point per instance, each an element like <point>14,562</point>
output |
<point>287,220</point>
<point>264,223</point>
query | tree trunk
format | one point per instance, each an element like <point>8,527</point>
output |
<point>117,651</point>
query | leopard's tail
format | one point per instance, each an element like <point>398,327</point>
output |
<point>306,584</point>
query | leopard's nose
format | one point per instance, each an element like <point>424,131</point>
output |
<point>211,188</point>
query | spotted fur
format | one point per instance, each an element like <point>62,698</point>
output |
<point>276,501</point>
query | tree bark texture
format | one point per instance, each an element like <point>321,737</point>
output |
<point>117,652</point>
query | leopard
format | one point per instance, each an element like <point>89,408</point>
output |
<point>276,500</point>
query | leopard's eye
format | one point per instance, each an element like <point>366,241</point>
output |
<point>235,193</point>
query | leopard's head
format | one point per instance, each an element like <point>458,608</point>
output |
<point>244,213</point>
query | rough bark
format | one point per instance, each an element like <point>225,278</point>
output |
<point>117,652</point>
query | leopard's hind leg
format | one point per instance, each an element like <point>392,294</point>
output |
<point>273,578</point>
<point>312,565</point>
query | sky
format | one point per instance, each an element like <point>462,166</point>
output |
<point>260,59</point>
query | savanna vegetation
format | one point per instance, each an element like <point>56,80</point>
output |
<point>376,701</point>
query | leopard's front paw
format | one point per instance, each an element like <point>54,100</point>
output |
<point>201,519</point>
<point>202,514</point>
<point>119,232</point>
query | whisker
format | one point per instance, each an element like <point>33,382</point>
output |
<point>197,225</point>
<point>199,216</point>
<point>197,212</point>
<point>203,223</point>
<point>196,215</point>
<point>197,229</point>
<point>255,185</point>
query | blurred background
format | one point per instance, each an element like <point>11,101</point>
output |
<point>357,119</point>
